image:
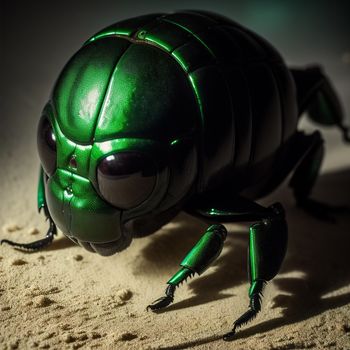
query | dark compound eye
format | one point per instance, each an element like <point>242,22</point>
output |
<point>126,179</point>
<point>46,141</point>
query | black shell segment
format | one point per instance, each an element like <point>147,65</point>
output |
<point>126,179</point>
<point>46,141</point>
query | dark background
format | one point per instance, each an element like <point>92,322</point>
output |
<point>38,37</point>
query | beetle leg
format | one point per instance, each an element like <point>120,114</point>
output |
<point>254,308</point>
<point>52,231</point>
<point>166,300</point>
<point>267,248</point>
<point>36,245</point>
<point>304,179</point>
<point>199,258</point>
<point>307,171</point>
<point>317,96</point>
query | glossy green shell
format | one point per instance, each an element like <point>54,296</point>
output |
<point>180,87</point>
<point>115,89</point>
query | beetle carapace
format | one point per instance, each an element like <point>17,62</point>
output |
<point>184,111</point>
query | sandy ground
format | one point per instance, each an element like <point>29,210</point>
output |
<point>67,298</point>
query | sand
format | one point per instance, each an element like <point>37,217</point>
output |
<point>67,298</point>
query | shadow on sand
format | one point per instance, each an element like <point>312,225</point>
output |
<point>317,249</point>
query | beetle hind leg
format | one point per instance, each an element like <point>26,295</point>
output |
<point>253,310</point>
<point>267,248</point>
<point>317,96</point>
<point>304,179</point>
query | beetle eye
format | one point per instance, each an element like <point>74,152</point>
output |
<point>126,179</point>
<point>46,141</point>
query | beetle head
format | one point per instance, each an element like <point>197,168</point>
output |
<point>103,195</point>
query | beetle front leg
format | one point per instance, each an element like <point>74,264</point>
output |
<point>39,244</point>
<point>267,248</point>
<point>52,231</point>
<point>199,258</point>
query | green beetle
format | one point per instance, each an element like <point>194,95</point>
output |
<point>185,111</point>
<point>112,158</point>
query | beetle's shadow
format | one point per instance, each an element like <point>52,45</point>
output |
<point>317,251</point>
